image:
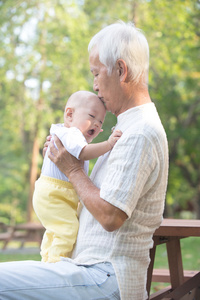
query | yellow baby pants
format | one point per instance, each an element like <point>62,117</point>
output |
<point>55,203</point>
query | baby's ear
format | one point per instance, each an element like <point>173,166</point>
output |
<point>69,113</point>
<point>101,130</point>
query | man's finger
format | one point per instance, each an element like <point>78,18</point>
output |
<point>58,142</point>
<point>53,149</point>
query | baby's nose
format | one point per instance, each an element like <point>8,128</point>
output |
<point>96,123</point>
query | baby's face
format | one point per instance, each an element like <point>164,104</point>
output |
<point>89,119</point>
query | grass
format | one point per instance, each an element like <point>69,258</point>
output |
<point>14,253</point>
<point>18,256</point>
<point>190,248</point>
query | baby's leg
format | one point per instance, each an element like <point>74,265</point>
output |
<point>46,245</point>
<point>65,233</point>
<point>57,209</point>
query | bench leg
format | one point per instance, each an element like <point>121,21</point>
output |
<point>175,262</point>
<point>197,293</point>
<point>186,290</point>
<point>150,269</point>
<point>5,244</point>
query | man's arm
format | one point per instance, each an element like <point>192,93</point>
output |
<point>95,150</point>
<point>109,216</point>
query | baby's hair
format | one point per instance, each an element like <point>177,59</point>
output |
<point>81,98</point>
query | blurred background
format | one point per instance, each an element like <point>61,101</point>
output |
<point>44,59</point>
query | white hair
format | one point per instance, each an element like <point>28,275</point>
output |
<point>123,41</point>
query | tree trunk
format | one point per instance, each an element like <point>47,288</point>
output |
<point>33,177</point>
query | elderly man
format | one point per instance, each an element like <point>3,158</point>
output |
<point>122,201</point>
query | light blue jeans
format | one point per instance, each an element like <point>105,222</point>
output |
<point>34,280</point>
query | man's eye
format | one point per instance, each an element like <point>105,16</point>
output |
<point>91,116</point>
<point>96,75</point>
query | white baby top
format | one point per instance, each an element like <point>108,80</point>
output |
<point>132,177</point>
<point>73,141</point>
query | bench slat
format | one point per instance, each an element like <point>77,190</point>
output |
<point>181,228</point>
<point>162,275</point>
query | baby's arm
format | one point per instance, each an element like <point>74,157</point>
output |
<point>91,151</point>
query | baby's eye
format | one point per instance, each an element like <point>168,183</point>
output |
<point>91,116</point>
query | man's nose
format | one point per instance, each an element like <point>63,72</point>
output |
<point>95,87</point>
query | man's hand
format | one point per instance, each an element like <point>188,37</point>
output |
<point>65,162</point>
<point>109,216</point>
<point>114,137</point>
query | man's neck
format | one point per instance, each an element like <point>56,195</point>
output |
<point>137,95</point>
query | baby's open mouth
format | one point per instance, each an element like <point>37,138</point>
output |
<point>91,131</point>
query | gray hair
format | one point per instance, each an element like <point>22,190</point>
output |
<point>123,41</point>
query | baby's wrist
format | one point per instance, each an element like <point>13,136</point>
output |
<point>110,144</point>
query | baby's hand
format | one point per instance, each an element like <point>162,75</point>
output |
<point>114,137</point>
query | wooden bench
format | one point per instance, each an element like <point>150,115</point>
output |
<point>185,285</point>
<point>27,232</point>
<point>163,275</point>
<point>6,233</point>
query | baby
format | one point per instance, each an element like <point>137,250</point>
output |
<point>55,201</point>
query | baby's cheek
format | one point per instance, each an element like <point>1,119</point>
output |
<point>97,132</point>
<point>84,126</point>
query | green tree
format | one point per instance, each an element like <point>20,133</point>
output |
<point>41,43</point>
<point>43,59</point>
<point>172,30</point>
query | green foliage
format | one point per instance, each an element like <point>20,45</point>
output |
<point>173,35</point>
<point>41,67</point>
<point>44,59</point>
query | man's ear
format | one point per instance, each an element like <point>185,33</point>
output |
<point>122,69</point>
<point>69,113</point>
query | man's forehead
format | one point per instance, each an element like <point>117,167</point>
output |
<point>94,56</point>
<point>93,68</point>
<point>95,65</point>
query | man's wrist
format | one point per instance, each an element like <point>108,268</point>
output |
<point>76,172</point>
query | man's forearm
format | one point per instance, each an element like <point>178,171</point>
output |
<point>109,216</point>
